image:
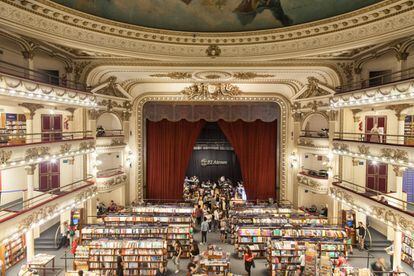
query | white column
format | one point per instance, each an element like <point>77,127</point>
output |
<point>401,127</point>
<point>397,249</point>
<point>29,128</point>
<point>91,210</point>
<point>399,172</point>
<point>402,62</point>
<point>29,245</point>
<point>333,208</point>
<point>296,133</point>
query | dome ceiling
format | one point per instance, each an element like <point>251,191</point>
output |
<point>215,15</point>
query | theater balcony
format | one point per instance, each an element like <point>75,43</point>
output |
<point>385,207</point>
<point>315,181</point>
<point>110,179</point>
<point>37,86</point>
<point>391,88</point>
<point>28,149</point>
<point>384,148</point>
<point>313,140</point>
<point>110,139</point>
<point>17,218</point>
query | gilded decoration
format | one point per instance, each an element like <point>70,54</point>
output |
<point>206,91</point>
<point>306,142</point>
<point>5,156</point>
<point>213,51</point>
<point>341,146</point>
<point>86,145</point>
<point>65,148</point>
<point>140,122</point>
<point>313,90</point>
<point>34,153</point>
<point>111,182</point>
<point>396,154</point>
<point>173,75</point>
<point>32,107</point>
<point>250,75</point>
<point>363,149</point>
<point>312,184</point>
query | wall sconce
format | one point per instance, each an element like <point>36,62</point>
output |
<point>293,160</point>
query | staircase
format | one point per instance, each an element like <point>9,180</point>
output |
<point>379,242</point>
<point>46,241</point>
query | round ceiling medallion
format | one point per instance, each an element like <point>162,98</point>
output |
<point>212,75</point>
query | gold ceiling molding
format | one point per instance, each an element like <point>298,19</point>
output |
<point>138,109</point>
<point>250,75</point>
<point>211,91</point>
<point>173,75</point>
<point>50,21</point>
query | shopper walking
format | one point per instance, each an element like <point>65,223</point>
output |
<point>362,232</point>
<point>119,266</point>
<point>199,215</point>
<point>194,250</point>
<point>178,249</point>
<point>223,227</point>
<point>216,219</point>
<point>204,229</point>
<point>248,260</point>
<point>378,267</point>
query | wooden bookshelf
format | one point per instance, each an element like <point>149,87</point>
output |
<point>14,125</point>
<point>181,232</point>
<point>215,262</point>
<point>257,238</point>
<point>12,252</point>
<point>140,257</point>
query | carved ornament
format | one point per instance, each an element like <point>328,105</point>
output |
<point>205,91</point>
<point>363,149</point>
<point>32,107</point>
<point>173,75</point>
<point>34,153</point>
<point>250,75</point>
<point>65,148</point>
<point>5,156</point>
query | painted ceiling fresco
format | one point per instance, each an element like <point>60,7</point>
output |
<point>215,15</point>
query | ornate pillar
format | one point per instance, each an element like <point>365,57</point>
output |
<point>397,249</point>
<point>398,109</point>
<point>333,206</point>
<point>402,62</point>
<point>70,118</point>
<point>29,194</point>
<point>91,211</point>
<point>356,119</point>
<point>28,56</point>
<point>357,77</point>
<point>399,172</point>
<point>32,107</point>
<point>127,155</point>
<point>297,118</point>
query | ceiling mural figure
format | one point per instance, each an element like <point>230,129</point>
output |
<point>215,15</point>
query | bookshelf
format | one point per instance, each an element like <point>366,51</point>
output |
<point>173,232</point>
<point>162,209</point>
<point>215,262</point>
<point>14,125</point>
<point>407,250</point>
<point>140,257</point>
<point>131,218</point>
<point>257,238</point>
<point>12,252</point>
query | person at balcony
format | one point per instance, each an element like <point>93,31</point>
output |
<point>362,231</point>
<point>100,131</point>
<point>383,200</point>
<point>375,134</point>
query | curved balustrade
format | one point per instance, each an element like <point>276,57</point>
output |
<point>390,139</point>
<point>314,133</point>
<point>110,178</point>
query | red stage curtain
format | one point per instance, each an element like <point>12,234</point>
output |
<point>255,147</point>
<point>169,148</point>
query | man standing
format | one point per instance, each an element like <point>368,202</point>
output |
<point>204,229</point>
<point>362,231</point>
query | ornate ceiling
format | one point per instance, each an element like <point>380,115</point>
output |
<point>94,36</point>
<point>216,15</point>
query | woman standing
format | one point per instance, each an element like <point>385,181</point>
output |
<point>248,260</point>
<point>223,226</point>
<point>119,266</point>
<point>178,249</point>
<point>194,250</point>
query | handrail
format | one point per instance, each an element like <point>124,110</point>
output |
<point>379,80</point>
<point>379,138</point>
<point>31,202</point>
<point>39,76</point>
<point>109,132</point>
<point>375,192</point>
<point>47,136</point>
<point>318,133</point>
<point>303,172</point>
<point>110,172</point>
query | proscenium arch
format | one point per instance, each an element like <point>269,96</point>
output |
<point>139,131</point>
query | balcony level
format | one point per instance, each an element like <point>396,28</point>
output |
<point>109,179</point>
<point>392,88</point>
<point>18,82</point>
<point>396,150</point>
<point>110,139</point>
<point>314,181</point>
<point>17,218</point>
<point>18,150</point>
<point>386,207</point>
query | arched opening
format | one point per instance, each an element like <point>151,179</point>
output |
<point>108,124</point>
<point>315,125</point>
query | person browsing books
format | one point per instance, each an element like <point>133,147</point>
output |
<point>178,249</point>
<point>204,229</point>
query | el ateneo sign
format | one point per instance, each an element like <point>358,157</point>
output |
<point>206,162</point>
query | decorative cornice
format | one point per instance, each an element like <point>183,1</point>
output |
<point>32,107</point>
<point>49,20</point>
<point>211,91</point>
<point>250,75</point>
<point>5,156</point>
<point>34,153</point>
<point>173,75</point>
<point>313,184</point>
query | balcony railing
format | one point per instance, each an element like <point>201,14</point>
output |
<point>109,133</point>
<point>110,172</point>
<point>39,76</point>
<point>318,174</point>
<point>22,207</point>
<point>380,197</point>
<point>315,133</point>
<point>375,138</point>
<point>377,81</point>
<point>14,139</point>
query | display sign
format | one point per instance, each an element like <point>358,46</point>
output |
<point>206,162</point>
